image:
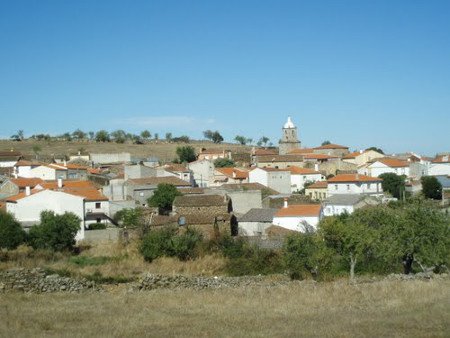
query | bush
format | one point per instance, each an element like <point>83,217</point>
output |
<point>97,226</point>
<point>11,232</point>
<point>55,232</point>
<point>184,245</point>
<point>157,243</point>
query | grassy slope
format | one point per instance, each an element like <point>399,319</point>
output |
<point>165,151</point>
<point>386,308</point>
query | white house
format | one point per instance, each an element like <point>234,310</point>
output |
<point>27,206</point>
<point>440,166</point>
<point>298,217</point>
<point>338,204</point>
<point>354,184</point>
<point>49,172</point>
<point>276,179</point>
<point>79,197</point>
<point>361,157</point>
<point>300,176</point>
<point>385,165</point>
<point>203,172</point>
<point>256,221</point>
<point>8,159</point>
<point>23,168</point>
<point>177,170</point>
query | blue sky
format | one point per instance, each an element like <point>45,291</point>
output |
<point>358,73</point>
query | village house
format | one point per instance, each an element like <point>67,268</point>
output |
<point>362,157</point>
<point>440,165</point>
<point>13,186</point>
<point>138,171</point>
<point>338,204</point>
<point>298,217</point>
<point>262,152</point>
<point>141,189</point>
<point>385,165</point>
<point>300,176</point>
<point>8,159</point>
<point>332,150</point>
<point>230,176</point>
<point>177,170</point>
<point>276,179</point>
<point>203,173</point>
<point>279,161</point>
<point>354,184</point>
<point>255,222</point>
<point>80,197</point>
<point>213,154</point>
<point>317,191</point>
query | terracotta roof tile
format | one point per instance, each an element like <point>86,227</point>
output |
<point>353,178</point>
<point>331,146</point>
<point>300,210</point>
<point>392,162</point>
<point>199,201</point>
<point>301,151</point>
<point>262,152</point>
<point>302,171</point>
<point>318,185</point>
<point>233,173</point>
<point>23,182</point>
<point>158,180</point>
<point>318,157</point>
<point>441,159</point>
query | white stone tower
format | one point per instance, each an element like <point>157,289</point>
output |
<point>289,139</point>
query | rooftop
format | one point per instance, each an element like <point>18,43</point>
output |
<point>318,185</point>
<point>353,178</point>
<point>302,171</point>
<point>259,215</point>
<point>331,146</point>
<point>306,210</point>
<point>158,180</point>
<point>200,201</point>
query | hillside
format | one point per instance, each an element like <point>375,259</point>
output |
<point>161,149</point>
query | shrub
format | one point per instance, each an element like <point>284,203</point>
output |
<point>55,232</point>
<point>157,243</point>
<point>97,226</point>
<point>11,232</point>
<point>184,245</point>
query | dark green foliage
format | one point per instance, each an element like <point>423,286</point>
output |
<point>213,136</point>
<point>224,163</point>
<point>241,140</point>
<point>186,154</point>
<point>431,187</point>
<point>129,217</point>
<point>11,232</point>
<point>306,255</point>
<point>102,136</point>
<point>393,184</point>
<point>97,226</point>
<point>324,143</point>
<point>55,232</point>
<point>376,149</point>
<point>167,242</point>
<point>163,196</point>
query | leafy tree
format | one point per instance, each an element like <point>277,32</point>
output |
<point>419,233</point>
<point>146,134</point>
<point>55,232</point>
<point>119,136</point>
<point>157,243</point>
<point>102,136</point>
<point>91,135</point>
<point>182,139</point>
<point>67,137</point>
<point>168,136</point>
<point>249,141</point>
<point>241,140</point>
<point>164,196</point>
<point>79,135</point>
<point>11,232</point>
<point>129,217</point>
<point>224,163</point>
<point>186,154</point>
<point>36,150</point>
<point>19,136</point>
<point>263,141</point>
<point>431,187</point>
<point>208,134</point>
<point>156,136</point>
<point>393,184</point>
<point>324,143</point>
<point>305,254</point>
<point>213,136</point>
<point>376,149</point>
<point>350,238</point>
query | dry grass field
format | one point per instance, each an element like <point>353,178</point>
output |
<point>163,150</point>
<point>334,309</point>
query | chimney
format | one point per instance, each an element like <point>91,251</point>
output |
<point>285,204</point>
<point>27,191</point>
<point>60,183</point>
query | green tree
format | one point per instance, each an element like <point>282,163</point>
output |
<point>66,137</point>
<point>156,136</point>
<point>102,136</point>
<point>11,232</point>
<point>186,154</point>
<point>19,136</point>
<point>163,197</point>
<point>119,136</point>
<point>157,243</point>
<point>79,135</point>
<point>263,141</point>
<point>208,134</point>
<point>305,254</point>
<point>36,150</point>
<point>431,187</point>
<point>169,137</point>
<point>129,217</point>
<point>224,163</point>
<point>376,149</point>
<point>213,136</point>
<point>241,140</point>
<point>324,143</point>
<point>146,135</point>
<point>393,184</point>
<point>55,232</point>
<point>91,135</point>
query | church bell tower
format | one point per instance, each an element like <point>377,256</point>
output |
<point>289,139</point>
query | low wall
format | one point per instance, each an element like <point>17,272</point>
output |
<point>104,235</point>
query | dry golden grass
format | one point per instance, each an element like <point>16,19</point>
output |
<point>165,151</point>
<point>386,308</point>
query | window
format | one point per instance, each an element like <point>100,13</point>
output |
<point>98,205</point>
<point>335,187</point>
<point>368,185</point>
<point>348,186</point>
<point>98,220</point>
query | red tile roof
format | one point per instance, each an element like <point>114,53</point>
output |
<point>301,151</point>
<point>23,182</point>
<point>441,159</point>
<point>262,151</point>
<point>318,185</point>
<point>302,171</point>
<point>233,173</point>
<point>392,162</point>
<point>331,146</point>
<point>306,210</point>
<point>158,180</point>
<point>353,178</point>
